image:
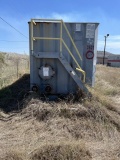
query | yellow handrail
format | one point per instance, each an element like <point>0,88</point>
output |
<point>61,39</point>
<point>31,38</point>
<point>71,40</point>
<point>83,72</point>
<point>49,20</point>
<point>70,53</point>
<point>46,38</point>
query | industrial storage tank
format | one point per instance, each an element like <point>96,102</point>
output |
<point>62,55</point>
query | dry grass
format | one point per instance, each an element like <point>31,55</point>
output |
<point>12,66</point>
<point>59,151</point>
<point>68,151</point>
<point>13,156</point>
<point>66,130</point>
<point>2,59</point>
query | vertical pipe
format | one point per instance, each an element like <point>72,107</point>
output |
<point>31,37</point>
<point>17,63</point>
<point>104,52</point>
<point>61,39</point>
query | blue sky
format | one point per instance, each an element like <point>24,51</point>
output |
<point>19,12</point>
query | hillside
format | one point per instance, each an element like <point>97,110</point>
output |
<point>86,129</point>
<point>12,66</point>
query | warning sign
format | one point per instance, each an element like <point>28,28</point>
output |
<point>90,30</point>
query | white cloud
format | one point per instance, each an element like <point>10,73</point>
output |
<point>68,17</point>
<point>65,17</point>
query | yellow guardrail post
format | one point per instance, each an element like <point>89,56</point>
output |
<point>61,38</point>
<point>31,36</point>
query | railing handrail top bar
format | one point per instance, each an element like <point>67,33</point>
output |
<point>49,38</point>
<point>47,20</point>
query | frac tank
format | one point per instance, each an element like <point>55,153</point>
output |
<point>62,55</point>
